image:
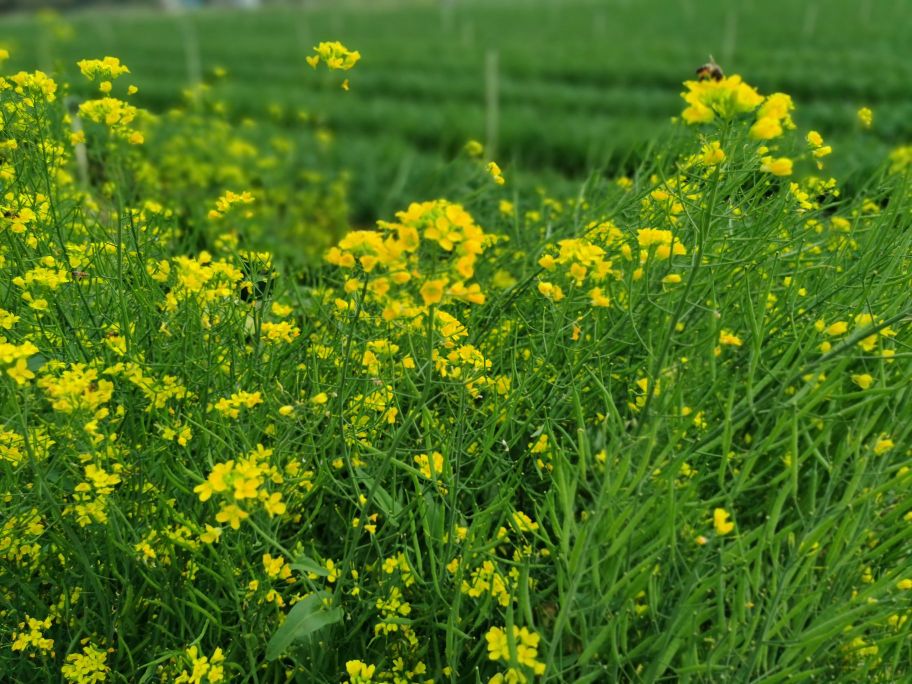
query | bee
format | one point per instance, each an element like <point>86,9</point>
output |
<point>78,275</point>
<point>710,71</point>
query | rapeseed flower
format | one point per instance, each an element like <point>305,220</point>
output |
<point>334,55</point>
<point>781,166</point>
<point>725,99</point>
<point>722,521</point>
<point>494,171</point>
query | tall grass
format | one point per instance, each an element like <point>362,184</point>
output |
<point>658,430</point>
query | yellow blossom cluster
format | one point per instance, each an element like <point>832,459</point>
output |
<point>334,55</point>
<point>725,98</point>
<point>520,649</point>
<point>410,449</point>
<point>244,481</point>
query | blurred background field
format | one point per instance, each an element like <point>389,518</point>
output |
<point>581,85</point>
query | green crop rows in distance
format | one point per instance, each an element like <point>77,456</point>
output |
<point>579,87</point>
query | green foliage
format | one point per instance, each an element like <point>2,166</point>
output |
<point>656,428</point>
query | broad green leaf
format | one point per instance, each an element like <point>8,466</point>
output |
<point>307,564</point>
<point>305,618</point>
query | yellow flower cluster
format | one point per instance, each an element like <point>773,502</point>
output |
<point>30,635</point>
<point>773,117</point>
<point>31,85</point>
<point>722,521</point>
<point>243,481</point>
<point>664,242</point>
<point>519,649</point>
<point>224,203</point>
<point>202,669</point>
<point>334,55</point>
<point>105,69</point>
<point>725,98</point>
<point>78,388</point>
<point>114,114</point>
<point>496,174</point>
<point>406,412</point>
<point>15,357</point>
<point>431,249</point>
<point>581,260</point>
<point>88,667</point>
<point>202,281</point>
<point>90,497</point>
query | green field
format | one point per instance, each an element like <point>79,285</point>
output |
<point>297,386</point>
<point>582,85</point>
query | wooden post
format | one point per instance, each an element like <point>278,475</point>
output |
<point>492,105</point>
<point>82,158</point>
<point>730,38</point>
<point>191,49</point>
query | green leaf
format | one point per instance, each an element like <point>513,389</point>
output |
<point>305,618</point>
<point>307,564</point>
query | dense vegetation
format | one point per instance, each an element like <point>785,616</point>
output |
<point>653,426</point>
<point>583,84</point>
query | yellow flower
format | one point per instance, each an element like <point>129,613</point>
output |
<point>766,128</point>
<point>883,445</point>
<point>527,649</point>
<point>721,521</point>
<point>273,504</point>
<point>20,372</point>
<point>865,117</point>
<point>729,338</point>
<point>526,644</point>
<point>359,672</point>
<point>837,328</point>
<point>211,535</point>
<point>106,69</point>
<point>781,166</point>
<point>427,463</point>
<point>724,98</point>
<point>86,667</point>
<point>232,515</point>
<point>246,488</point>
<point>474,148</point>
<point>498,646</point>
<point>494,170</point>
<point>228,200</point>
<point>551,291</point>
<point>216,482</point>
<point>276,568</point>
<point>599,298</point>
<point>863,380</point>
<point>432,291</point>
<point>335,55</point>
<point>712,153</point>
<point>666,244</point>
<point>524,523</point>
<point>777,106</point>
